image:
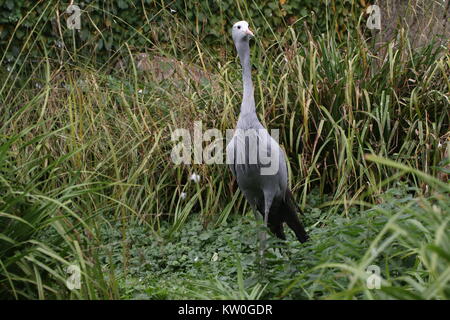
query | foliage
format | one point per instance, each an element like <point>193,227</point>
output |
<point>42,228</point>
<point>108,25</point>
<point>405,236</point>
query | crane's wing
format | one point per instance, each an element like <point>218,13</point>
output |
<point>253,152</point>
<point>272,160</point>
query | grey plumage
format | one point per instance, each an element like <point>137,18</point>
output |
<point>267,193</point>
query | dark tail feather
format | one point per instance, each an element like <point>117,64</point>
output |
<point>277,228</point>
<point>289,209</point>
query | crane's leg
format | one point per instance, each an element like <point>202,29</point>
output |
<point>256,201</point>
<point>268,198</point>
<point>258,218</point>
<point>260,231</point>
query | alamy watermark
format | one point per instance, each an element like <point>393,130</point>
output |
<point>244,147</point>
<point>73,282</point>
<point>374,20</point>
<point>74,20</point>
<point>373,281</point>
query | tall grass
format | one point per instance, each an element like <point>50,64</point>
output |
<point>83,146</point>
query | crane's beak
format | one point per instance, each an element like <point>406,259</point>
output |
<point>249,32</point>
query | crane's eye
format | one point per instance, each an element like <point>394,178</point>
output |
<point>239,27</point>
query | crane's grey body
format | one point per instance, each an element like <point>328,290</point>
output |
<point>256,186</point>
<point>266,193</point>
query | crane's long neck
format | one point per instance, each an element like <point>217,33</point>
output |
<point>248,100</point>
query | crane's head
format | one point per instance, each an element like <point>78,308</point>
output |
<point>241,31</point>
